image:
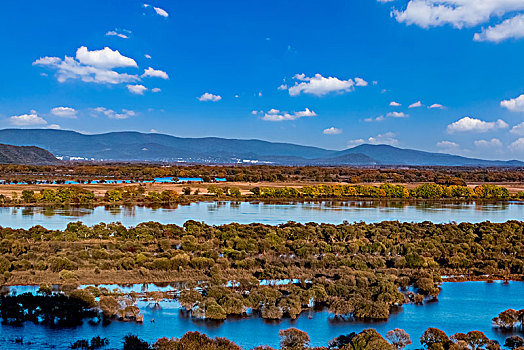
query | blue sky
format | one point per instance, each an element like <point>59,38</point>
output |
<point>324,73</point>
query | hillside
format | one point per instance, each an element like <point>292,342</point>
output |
<point>25,155</point>
<point>135,146</point>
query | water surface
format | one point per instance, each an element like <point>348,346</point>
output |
<point>462,307</point>
<point>223,212</point>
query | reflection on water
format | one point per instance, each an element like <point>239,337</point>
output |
<point>221,212</point>
<point>462,307</point>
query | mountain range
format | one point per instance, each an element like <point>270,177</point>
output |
<point>155,147</point>
<point>25,155</point>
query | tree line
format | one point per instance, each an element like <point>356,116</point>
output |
<point>86,172</point>
<point>75,194</point>
<point>368,339</point>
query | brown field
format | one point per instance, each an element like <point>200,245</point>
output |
<point>244,187</point>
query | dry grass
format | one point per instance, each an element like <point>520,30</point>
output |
<point>244,187</point>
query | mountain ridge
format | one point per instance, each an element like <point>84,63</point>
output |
<point>155,147</point>
<point>10,154</point>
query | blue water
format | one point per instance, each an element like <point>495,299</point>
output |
<point>156,179</point>
<point>216,213</point>
<point>462,307</point>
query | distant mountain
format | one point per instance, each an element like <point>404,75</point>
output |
<point>25,155</point>
<point>135,146</point>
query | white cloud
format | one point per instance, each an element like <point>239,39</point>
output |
<point>209,97</point>
<point>387,138</point>
<point>355,142</point>
<point>283,87</point>
<point>360,82</point>
<point>115,33</point>
<point>91,66</point>
<point>489,144</point>
<point>275,115</point>
<point>468,124</point>
<point>31,119</point>
<point>53,127</point>
<point>517,145</point>
<point>415,105</point>
<point>64,112</point>
<point>332,131</point>
<point>397,115</point>
<point>512,28</point>
<point>105,58</point>
<point>377,119</point>
<point>385,1</point>
<point>320,86</point>
<point>161,12</point>
<point>394,104</point>
<point>111,114</point>
<point>147,56</point>
<point>137,89</point>
<point>155,73</point>
<point>158,10</point>
<point>458,13</point>
<point>436,105</point>
<point>448,145</point>
<point>515,104</point>
<point>518,129</point>
<point>156,90</point>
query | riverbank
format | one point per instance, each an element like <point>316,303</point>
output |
<point>162,194</point>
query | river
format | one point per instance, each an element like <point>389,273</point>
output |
<point>222,212</point>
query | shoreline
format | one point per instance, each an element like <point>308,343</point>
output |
<point>188,200</point>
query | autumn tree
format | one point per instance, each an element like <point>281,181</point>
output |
<point>399,338</point>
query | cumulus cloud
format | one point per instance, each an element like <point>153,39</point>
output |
<point>394,104</point>
<point>105,58</point>
<point>360,82</point>
<point>468,124</point>
<point>156,90</point>
<point>436,105</point>
<point>397,115</point>
<point>320,86</point>
<point>64,112</point>
<point>155,73</point>
<point>91,66</point>
<point>158,10</point>
<point>31,119</point>
<point>489,144</point>
<point>111,114</point>
<point>332,131</point>
<point>275,115</point>
<point>517,145</point>
<point>514,104</point>
<point>209,97</point>
<point>518,129</point>
<point>415,105</point>
<point>387,138</point>
<point>512,28</point>
<point>457,13</point>
<point>137,89</point>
